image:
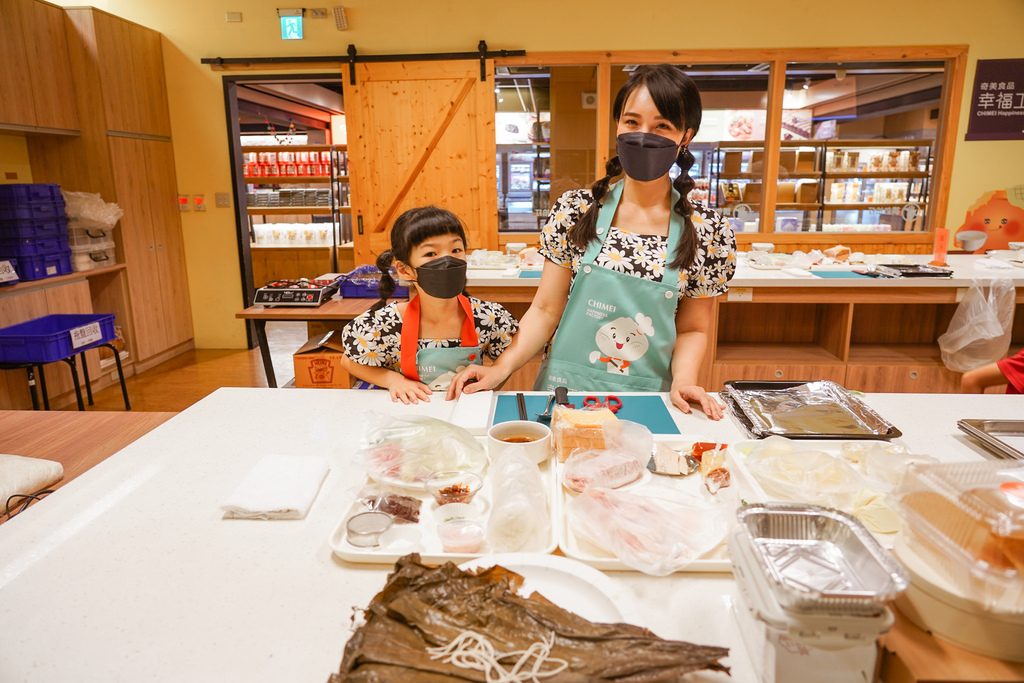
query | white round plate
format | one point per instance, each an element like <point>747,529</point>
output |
<point>571,585</point>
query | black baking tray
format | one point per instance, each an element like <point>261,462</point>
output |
<point>768,385</point>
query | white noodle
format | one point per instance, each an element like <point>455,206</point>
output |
<point>470,650</point>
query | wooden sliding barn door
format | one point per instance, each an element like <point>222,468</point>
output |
<point>421,133</point>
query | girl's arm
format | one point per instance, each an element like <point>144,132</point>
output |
<point>398,385</point>
<point>693,322</point>
<point>975,381</point>
<point>535,329</point>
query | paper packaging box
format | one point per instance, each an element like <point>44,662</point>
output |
<point>318,363</point>
<point>805,161</point>
<point>732,163</point>
<point>786,193</point>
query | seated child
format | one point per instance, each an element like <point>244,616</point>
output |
<point>415,348</point>
<point>1009,371</point>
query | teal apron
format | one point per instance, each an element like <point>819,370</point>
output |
<point>618,331</point>
<point>437,367</point>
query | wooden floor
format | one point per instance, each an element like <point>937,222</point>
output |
<point>190,377</point>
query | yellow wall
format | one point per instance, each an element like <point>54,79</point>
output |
<point>194,29</point>
<point>14,159</point>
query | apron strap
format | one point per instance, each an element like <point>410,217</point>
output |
<point>411,334</point>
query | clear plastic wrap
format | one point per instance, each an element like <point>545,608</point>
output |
<point>652,533</point>
<point>519,519</point>
<point>979,332</point>
<point>814,409</point>
<point>88,210</point>
<point>390,499</point>
<point>609,468</point>
<point>405,451</point>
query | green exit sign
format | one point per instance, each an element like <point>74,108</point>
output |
<point>291,27</point>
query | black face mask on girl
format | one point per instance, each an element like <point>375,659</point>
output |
<point>443,278</point>
<point>645,156</point>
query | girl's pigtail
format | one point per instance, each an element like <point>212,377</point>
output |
<point>387,283</point>
<point>585,230</point>
<point>687,248</point>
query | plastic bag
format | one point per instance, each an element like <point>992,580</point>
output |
<point>652,533</point>
<point>631,437</point>
<point>979,332</point>
<point>390,499</point>
<point>88,210</point>
<point>406,450</point>
<point>786,472</point>
<point>519,518</point>
<point>597,468</point>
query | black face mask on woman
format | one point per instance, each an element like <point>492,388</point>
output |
<point>645,156</point>
<point>443,278</point>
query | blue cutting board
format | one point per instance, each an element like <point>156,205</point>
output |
<point>528,274</point>
<point>839,274</point>
<point>649,411</point>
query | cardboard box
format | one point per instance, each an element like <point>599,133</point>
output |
<point>806,161</point>
<point>787,159</point>
<point>318,363</point>
<point>786,193</point>
<point>732,163</point>
<point>807,192</point>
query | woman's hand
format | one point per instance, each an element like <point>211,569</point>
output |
<point>476,378</point>
<point>408,391</point>
<point>683,395</point>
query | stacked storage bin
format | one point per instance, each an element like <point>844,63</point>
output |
<point>34,230</point>
<point>91,247</point>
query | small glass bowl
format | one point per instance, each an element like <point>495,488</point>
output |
<point>453,487</point>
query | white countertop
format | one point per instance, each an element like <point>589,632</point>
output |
<point>964,271</point>
<point>129,573</point>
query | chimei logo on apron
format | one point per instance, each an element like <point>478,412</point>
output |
<point>618,331</point>
<point>437,367</point>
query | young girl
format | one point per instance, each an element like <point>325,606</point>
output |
<point>415,348</point>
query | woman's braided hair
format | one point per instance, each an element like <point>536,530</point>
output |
<point>678,100</point>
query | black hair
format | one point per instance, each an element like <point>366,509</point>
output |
<point>411,229</point>
<point>677,98</point>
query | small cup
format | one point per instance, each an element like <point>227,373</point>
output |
<point>445,513</point>
<point>972,240</point>
<point>364,530</point>
<point>533,438</point>
<point>453,487</point>
<point>461,536</point>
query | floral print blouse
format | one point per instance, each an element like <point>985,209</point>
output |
<point>375,337</point>
<point>643,256</point>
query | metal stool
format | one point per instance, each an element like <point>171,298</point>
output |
<point>33,368</point>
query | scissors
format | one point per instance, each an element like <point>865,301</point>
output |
<point>611,402</point>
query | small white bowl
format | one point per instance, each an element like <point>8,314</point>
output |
<point>537,447</point>
<point>971,240</point>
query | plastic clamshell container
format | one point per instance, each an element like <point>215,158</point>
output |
<point>37,246</point>
<point>43,209</point>
<point>45,265</point>
<point>90,237</point>
<point>49,338</point>
<point>30,192</point>
<point>88,257</point>
<point>33,228</point>
<point>967,521</point>
<point>821,560</point>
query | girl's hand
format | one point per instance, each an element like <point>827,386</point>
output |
<point>476,378</point>
<point>682,395</point>
<point>407,391</point>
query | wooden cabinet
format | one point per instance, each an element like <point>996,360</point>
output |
<point>36,79</point>
<point>724,372</point>
<point>916,379</point>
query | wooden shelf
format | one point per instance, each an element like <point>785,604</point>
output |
<point>759,144</point>
<point>895,354</point>
<point>866,206</point>
<point>294,148</point>
<point>739,353</point>
<point>284,179</point>
<point>878,142</point>
<point>790,175</point>
<point>877,174</point>
<point>289,210</point>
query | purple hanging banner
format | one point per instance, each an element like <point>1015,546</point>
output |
<point>997,101</point>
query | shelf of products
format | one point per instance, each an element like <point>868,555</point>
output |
<point>827,185</point>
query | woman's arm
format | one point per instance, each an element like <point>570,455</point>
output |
<point>693,323</point>
<point>535,329</point>
<point>398,385</point>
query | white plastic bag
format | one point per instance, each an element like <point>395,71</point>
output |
<point>654,532</point>
<point>519,519</point>
<point>88,210</point>
<point>979,332</point>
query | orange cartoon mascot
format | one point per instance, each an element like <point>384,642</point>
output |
<point>992,223</point>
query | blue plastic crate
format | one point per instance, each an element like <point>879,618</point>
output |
<point>14,264</point>
<point>29,192</point>
<point>17,211</point>
<point>362,282</point>
<point>49,338</point>
<point>33,228</point>
<point>47,265</point>
<point>33,246</point>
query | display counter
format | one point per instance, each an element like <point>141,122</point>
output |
<point>130,573</point>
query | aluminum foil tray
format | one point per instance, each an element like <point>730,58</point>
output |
<point>804,410</point>
<point>988,432</point>
<point>820,560</point>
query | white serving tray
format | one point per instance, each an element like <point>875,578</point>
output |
<point>427,543</point>
<point>742,488</point>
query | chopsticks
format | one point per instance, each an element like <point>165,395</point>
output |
<point>521,400</point>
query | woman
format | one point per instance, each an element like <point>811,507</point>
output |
<point>619,256</point>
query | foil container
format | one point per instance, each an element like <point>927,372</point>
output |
<point>820,560</point>
<point>808,410</point>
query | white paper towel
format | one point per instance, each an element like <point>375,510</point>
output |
<point>278,487</point>
<point>473,412</point>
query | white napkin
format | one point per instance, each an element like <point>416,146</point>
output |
<point>992,264</point>
<point>278,487</point>
<point>797,272</point>
<point>473,411</point>
<point>23,475</point>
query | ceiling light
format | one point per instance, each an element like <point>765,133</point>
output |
<point>496,90</point>
<point>807,83</point>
